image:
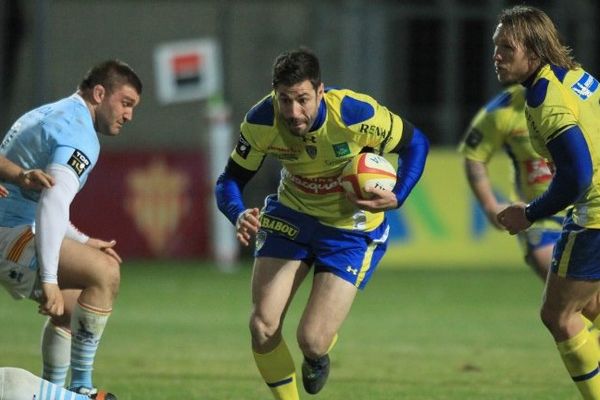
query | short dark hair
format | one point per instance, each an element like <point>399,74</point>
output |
<point>293,67</point>
<point>111,74</point>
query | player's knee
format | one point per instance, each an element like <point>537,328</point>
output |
<point>556,321</point>
<point>110,278</point>
<point>313,343</point>
<point>262,329</point>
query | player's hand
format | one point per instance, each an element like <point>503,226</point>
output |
<point>3,191</point>
<point>492,215</point>
<point>247,225</point>
<point>513,218</point>
<point>382,200</point>
<point>106,247</point>
<point>35,179</point>
<point>52,303</point>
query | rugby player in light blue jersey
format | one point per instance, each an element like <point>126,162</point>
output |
<point>74,278</point>
<point>19,384</point>
<point>563,116</point>
<point>311,222</point>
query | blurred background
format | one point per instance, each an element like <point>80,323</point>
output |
<point>427,60</point>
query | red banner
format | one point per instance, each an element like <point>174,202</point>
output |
<point>155,204</point>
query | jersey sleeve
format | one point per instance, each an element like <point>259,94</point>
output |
<point>550,110</point>
<point>247,152</point>
<point>73,144</point>
<point>484,137</point>
<point>371,124</point>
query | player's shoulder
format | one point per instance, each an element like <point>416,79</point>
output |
<point>550,85</point>
<point>352,107</point>
<point>67,115</point>
<point>511,98</point>
<point>262,113</point>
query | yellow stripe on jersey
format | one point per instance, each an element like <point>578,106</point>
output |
<point>566,255</point>
<point>16,250</point>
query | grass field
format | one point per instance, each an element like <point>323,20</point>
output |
<point>179,331</point>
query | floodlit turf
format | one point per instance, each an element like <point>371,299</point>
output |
<point>179,331</point>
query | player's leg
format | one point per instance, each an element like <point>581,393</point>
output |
<point>18,384</point>
<point>561,313</point>
<point>56,341</point>
<point>345,261</point>
<point>98,275</point>
<point>328,306</point>
<point>274,283</point>
<point>574,281</point>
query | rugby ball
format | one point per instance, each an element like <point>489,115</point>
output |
<point>366,171</point>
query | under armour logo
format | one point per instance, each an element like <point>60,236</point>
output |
<point>311,139</point>
<point>354,271</point>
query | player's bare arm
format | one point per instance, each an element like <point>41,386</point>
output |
<point>479,181</point>
<point>34,179</point>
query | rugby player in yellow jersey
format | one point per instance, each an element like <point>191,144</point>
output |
<point>563,116</point>
<point>311,222</point>
<point>501,125</point>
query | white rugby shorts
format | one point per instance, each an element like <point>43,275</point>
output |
<point>18,263</point>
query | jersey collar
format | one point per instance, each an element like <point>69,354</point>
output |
<point>321,114</point>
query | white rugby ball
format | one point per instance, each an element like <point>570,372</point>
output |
<point>366,171</point>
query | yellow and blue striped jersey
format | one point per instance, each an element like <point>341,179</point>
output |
<point>347,122</point>
<point>501,125</point>
<point>557,100</point>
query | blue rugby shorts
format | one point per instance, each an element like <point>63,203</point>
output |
<point>349,254</point>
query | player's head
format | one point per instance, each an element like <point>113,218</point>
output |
<point>526,38</point>
<point>298,89</point>
<point>112,89</point>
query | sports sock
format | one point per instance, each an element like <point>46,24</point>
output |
<point>56,353</point>
<point>580,356</point>
<point>18,384</point>
<point>87,325</point>
<point>278,371</point>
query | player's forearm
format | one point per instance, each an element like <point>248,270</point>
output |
<point>52,221</point>
<point>9,171</point>
<point>573,177</point>
<point>478,178</point>
<point>411,164</point>
<point>229,188</point>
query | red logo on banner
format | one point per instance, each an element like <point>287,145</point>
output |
<point>157,200</point>
<point>187,68</point>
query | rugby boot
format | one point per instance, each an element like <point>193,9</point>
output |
<point>94,393</point>
<point>315,373</point>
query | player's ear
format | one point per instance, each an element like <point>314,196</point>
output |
<point>98,93</point>
<point>320,90</point>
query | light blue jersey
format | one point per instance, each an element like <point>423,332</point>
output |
<point>58,133</point>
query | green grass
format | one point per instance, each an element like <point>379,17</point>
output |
<point>179,331</point>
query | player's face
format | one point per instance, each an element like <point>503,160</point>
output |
<point>512,62</point>
<point>115,109</point>
<point>299,105</point>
